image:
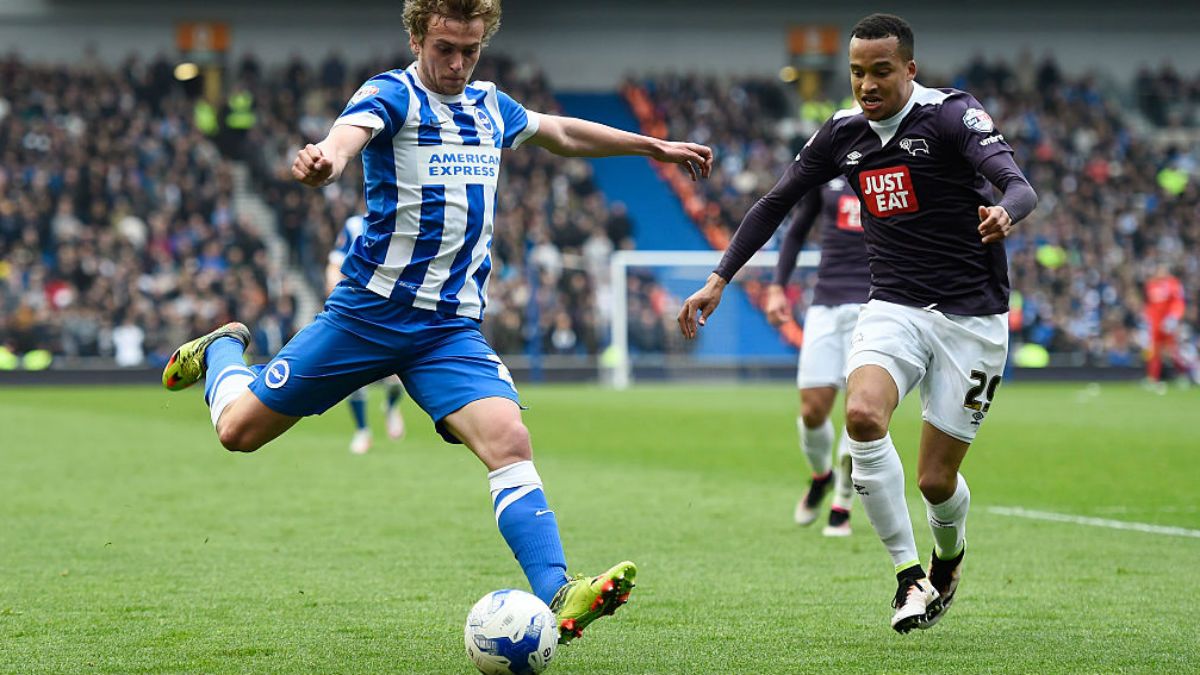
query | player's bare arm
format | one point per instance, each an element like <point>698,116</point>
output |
<point>572,137</point>
<point>322,163</point>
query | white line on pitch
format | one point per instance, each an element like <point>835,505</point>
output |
<point>1094,522</point>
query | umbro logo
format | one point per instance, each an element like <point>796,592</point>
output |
<point>853,157</point>
<point>915,145</point>
<point>861,490</point>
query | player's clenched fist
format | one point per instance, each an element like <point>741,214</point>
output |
<point>312,167</point>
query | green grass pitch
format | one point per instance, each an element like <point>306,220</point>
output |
<point>130,542</point>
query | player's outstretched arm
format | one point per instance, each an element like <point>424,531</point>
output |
<point>323,163</point>
<point>572,137</point>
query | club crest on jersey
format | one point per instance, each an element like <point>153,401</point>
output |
<point>277,374</point>
<point>484,122</point>
<point>915,145</point>
<point>978,120</point>
<point>363,92</point>
<point>888,192</point>
<point>853,157</point>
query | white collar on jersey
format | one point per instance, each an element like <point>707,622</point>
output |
<point>886,129</point>
<point>444,98</point>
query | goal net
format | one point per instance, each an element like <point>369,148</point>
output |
<point>646,290</point>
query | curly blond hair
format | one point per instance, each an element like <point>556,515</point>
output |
<point>418,13</point>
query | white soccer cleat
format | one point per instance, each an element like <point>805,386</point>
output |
<point>361,442</point>
<point>914,599</point>
<point>395,424</point>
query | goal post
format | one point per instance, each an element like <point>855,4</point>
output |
<point>737,335</point>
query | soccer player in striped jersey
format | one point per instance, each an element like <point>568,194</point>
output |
<point>416,285</point>
<point>360,443</point>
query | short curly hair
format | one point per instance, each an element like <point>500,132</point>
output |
<point>417,14</point>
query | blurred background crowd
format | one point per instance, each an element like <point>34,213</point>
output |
<point>121,236</point>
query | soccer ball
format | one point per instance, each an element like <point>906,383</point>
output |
<point>511,632</point>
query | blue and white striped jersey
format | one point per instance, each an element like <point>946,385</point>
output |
<point>431,169</point>
<point>352,229</point>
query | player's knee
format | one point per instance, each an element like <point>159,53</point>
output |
<point>236,438</point>
<point>511,444</point>
<point>814,415</point>
<point>865,422</point>
<point>937,486</point>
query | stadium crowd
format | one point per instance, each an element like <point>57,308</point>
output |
<point>1115,203</point>
<point>119,238</point>
<point>117,232</point>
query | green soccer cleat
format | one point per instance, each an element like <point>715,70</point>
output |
<point>582,600</point>
<point>187,366</point>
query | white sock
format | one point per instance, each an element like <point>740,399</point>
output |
<point>230,384</point>
<point>817,445</point>
<point>843,496</point>
<point>879,481</point>
<point>948,521</point>
<point>515,475</point>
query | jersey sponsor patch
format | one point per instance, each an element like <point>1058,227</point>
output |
<point>888,192</point>
<point>363,92</point>
<point>978,120</point>
<point>849,213</point>
<point>458,165</point>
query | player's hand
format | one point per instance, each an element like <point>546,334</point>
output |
<point>994,223</point>
<point>704,301</point>
<point>311,166</point>
<point>697,158</point>
<point>777,308</point>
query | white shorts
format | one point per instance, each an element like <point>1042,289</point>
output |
<point>827,333</point>
<point>958,360</point>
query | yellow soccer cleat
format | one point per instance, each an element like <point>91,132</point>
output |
<point>187,366</point>
<point>583,600</point>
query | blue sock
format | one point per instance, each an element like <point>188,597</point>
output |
<point>220,355</point>
<point>529,527</point>
<point>358,406</point>
<point>395,392</point>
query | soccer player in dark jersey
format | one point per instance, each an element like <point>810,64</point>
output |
<point>843,282</point>
<point>924,163</point>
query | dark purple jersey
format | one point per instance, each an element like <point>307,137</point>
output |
<point>842,276</point>
<point>921,178</point>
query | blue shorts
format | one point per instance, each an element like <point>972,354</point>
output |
<point>444,361</point>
